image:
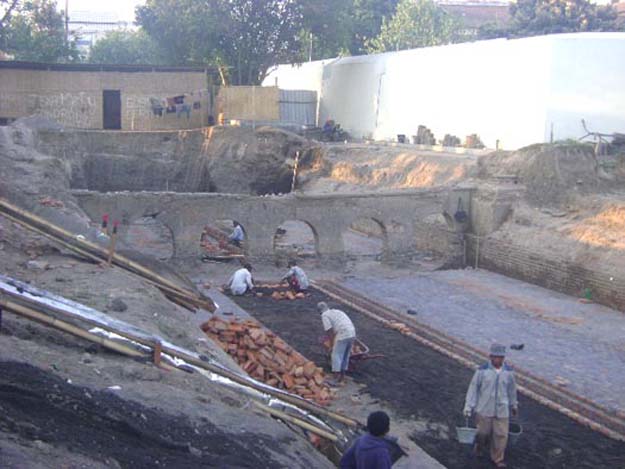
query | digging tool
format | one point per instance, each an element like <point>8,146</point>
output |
<point>112,243</point>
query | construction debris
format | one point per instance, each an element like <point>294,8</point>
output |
<point>268,358</point>
<point>284,294</point>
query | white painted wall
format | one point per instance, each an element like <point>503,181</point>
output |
<point>506,90</point>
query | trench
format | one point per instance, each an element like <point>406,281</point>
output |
<point>426,387</point>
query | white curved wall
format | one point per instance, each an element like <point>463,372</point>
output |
<point>506,90</point>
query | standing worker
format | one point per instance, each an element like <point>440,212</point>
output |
<point>297,278</point>
<point>492,393</point>
<point>241,281</point>
<point>342,333</point>
<point>237,236</point>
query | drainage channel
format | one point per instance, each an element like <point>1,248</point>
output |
<point>423,379</point>
<point>576,407</point>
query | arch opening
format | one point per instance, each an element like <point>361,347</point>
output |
<point>295,239</point>
<point>150,237</point>
<point>223,238</point>
<point>365,238</point>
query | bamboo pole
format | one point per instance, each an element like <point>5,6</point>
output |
<point>295,421</point>
<point>231,375</point>
<point>67,327</point>
<point>119,259</point>
<point>96,252</point>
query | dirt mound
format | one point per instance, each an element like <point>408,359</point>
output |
<point>120,433</point>
<point>248,162</point>
<point>551,173</point>
<point>353,167</point>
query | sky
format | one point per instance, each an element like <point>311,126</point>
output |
<point>125,9</point>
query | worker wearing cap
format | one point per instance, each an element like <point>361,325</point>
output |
<point>491,395</point>
<point>342,331</point>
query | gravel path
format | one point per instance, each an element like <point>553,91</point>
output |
<point>580,345</point>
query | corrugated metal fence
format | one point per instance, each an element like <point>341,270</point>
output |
<point>298,107</point>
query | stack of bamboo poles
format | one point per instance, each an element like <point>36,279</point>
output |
<point>179,295</point>
<point>61,318</point>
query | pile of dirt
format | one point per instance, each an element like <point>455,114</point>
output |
<point>354,167</point>
<point>551,173</point>
<point>117,432</point>
<point>242,161</point>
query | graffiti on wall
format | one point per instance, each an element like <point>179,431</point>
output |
<point>68,109</point>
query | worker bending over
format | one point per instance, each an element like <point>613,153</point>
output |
<point>342,333</point>
<point>241,281</point>
<point>491,395</point>
<point>297,278</point>
<point>237,236</point>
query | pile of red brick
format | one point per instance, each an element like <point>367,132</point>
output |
<point>268,358</point>
<point>221,243</point>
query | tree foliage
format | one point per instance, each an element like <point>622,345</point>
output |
<point>416,23</point>
<point>126,47</point>
<point>36,32</point>
<point>367,18</point>
<point>248,36</point>
<point>538,17</point>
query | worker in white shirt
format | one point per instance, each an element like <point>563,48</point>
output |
<point>241,281</point>
<point>343,334</point>
<point>297,278</point>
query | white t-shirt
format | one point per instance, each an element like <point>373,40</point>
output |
<point>339,322</point>
<point>240,281</point>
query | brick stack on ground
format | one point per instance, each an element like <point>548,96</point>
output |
<point>268,358</point>
<point>222,244</point>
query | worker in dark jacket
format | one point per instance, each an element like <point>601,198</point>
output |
<point>370,451</point>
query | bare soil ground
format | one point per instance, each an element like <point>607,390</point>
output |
<point>420,384</point>
<point>38,405</point>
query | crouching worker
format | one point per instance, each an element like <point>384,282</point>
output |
<point>241,281</point>
<point>370,451</point>
<point>237,236</point>
<point>342,333</point>
<point>492,396</point>
<point>297,278</point>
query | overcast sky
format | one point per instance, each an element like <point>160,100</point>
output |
<point>125,9</point>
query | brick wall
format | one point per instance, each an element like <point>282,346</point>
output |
<point>440,242</point>
<point>74,98</point>
<point>548,270</point>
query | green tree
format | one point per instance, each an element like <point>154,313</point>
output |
<point>6,9</point>
<point>536,17</point>
<point>36,32</point>
<point>416,23</point>
<point>247,36</point>
<point>366,18</point>
<point>330,23</point>
<point>126,47</point>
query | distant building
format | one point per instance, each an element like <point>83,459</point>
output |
<point>475,14</point>
<point>112,97</point>
<point>620,10</point>
<point>90,27</point>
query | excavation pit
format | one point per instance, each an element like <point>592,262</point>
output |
<point>424,386</point>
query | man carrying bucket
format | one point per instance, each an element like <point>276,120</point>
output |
<point>491,395</point>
